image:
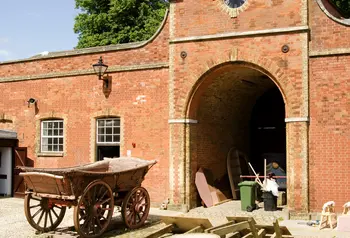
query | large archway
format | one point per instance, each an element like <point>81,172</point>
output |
<point>237,105</point>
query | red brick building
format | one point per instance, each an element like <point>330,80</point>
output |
<point>268,77</point>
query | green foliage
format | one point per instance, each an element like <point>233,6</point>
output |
<point>343,7</point>
<point>105,22</point>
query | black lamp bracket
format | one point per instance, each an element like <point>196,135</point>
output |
<point>105,80</point>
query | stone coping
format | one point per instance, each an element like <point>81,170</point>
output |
<point>274,31</point>
<point>330,52</point>
<point>73,73</point>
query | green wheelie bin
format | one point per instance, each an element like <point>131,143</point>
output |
<point>248,195</point>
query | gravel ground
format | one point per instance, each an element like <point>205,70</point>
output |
<point>13,223</point>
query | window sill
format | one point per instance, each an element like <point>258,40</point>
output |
<point>47,154</point>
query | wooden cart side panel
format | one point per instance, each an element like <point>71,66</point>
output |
<point>130,179</point>
<point>46,183</point>
<point>79,182</point>
<point>29,183</point>
<point>119,181</point>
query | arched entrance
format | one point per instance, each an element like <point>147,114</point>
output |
<point>237,105</point>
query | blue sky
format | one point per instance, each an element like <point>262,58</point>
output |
<point>29,27</point>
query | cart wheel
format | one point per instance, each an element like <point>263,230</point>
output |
<point>90,216</point>
<point>136,207</point>
<point>41,214</point>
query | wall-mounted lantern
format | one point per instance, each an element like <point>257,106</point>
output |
<point>100,68</point>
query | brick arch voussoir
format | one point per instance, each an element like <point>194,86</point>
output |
<point>251,60</point>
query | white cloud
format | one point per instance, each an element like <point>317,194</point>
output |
<point>3,40</point>
<point>33,14</point>
<point>4,53</point>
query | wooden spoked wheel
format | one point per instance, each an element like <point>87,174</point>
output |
<point>136,207</point>
<point>94,211</point>
<point>41,214</point>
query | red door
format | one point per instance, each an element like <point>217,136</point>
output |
<point>20,160</point>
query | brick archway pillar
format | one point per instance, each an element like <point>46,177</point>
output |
<point>297,167</point>
<point>180,168</point>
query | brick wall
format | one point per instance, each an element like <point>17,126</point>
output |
<point>329,131</point>
<point>77,99</point>
<point>326,34</point>
<point>77,96</point>
<point>329,110</point>
<point>204,17</point>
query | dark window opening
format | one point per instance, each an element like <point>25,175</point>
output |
<point>107,151</point>
<point>108,138</point>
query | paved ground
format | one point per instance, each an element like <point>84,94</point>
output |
<point>299,229</point>
<point>14,224</point>
<point>217,214</point>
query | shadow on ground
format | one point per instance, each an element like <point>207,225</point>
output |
<point>117,228</point>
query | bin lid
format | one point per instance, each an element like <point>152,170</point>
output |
<point>247,183</point>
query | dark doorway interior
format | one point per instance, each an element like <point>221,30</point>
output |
<point>268,131</point>
<point>107,151</point>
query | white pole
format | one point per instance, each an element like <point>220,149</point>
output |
<point>257,176</point>
<point>264,172</point>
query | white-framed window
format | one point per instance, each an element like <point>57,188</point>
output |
<point>52,135</point>
<point>108,131</point>
<point>108,137</point>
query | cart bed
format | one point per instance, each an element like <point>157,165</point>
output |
<point>121,174</point>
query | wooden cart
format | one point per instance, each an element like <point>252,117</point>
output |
<point>93,189</point>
